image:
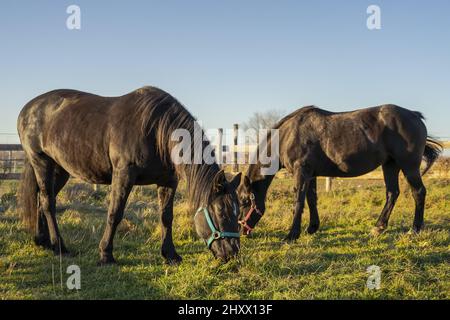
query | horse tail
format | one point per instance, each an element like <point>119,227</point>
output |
<point>27,195</point>
<point>433,150</point>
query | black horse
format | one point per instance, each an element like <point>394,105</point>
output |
<point>315,142</point>
<point>121,141</point>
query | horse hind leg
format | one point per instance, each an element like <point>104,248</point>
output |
<point>42,237</point>
<point>44,169</point>
<point>419,192</point>
<point>390,172</point>
<point>311,197</point>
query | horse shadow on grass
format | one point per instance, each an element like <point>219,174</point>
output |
<point>31,272</point>
<point>316,253</point>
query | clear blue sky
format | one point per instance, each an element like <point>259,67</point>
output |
<point>227,59</point>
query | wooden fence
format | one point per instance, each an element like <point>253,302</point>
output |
<point>12,157</point>
<point>11,161</point>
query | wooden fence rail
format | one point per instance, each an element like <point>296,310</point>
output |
<point>10,147</point>
<point>9,165</point>
<point>10,176</point>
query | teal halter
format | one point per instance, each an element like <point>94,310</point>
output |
<point>215,234</point>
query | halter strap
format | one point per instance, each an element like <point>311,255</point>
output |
<point>215,234</point>
<point>253,208</point>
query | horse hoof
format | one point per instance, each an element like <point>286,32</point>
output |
<point>172,259</point>
<point>414,231</point>
<point>292,237</point>
<point>60,251</point>
<point>66,254</point>
<point>377,231</point>
<point>105,261</point>
<point>312,229</point>
<point>43,242</point>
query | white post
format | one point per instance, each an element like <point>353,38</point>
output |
<point>328,184</point>
<point>10,161</point>
<point>235,145</point>
<point>14,163</point>
<point>220,147</point>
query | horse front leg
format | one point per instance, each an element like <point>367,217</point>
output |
<point>122,183</point>
<point>301,190</point>
<point>166,196</point>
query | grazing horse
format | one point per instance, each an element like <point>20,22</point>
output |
<point>315,142</point>
<point>122,141</point>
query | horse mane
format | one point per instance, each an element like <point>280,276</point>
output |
<point>253,168</point>
<point>160,114</point>
<point>294,114</point>
<point>419,115</point>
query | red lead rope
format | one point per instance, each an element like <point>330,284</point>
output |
<point>243,223</point>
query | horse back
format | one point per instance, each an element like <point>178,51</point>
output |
<point>84,133</point>
<point>350,143</point>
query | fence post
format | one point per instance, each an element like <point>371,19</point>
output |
<point>10,161</point>
<point>328,184</point>
<point>14,164</point>
<point>235,144</point>
<point>220,147</point>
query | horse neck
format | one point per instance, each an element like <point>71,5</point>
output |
<point>260,185</point>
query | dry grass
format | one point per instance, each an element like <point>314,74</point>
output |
<point>330,264</point>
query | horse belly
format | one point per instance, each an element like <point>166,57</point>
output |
<point>359,165</point>
<point>92,170</point>
<point>353,165</point>
<point>352,153</point>
<point>81,160</point>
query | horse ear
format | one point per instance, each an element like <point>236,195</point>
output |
<point>219,182</point>
<point>234,183</point>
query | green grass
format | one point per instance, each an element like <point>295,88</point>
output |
<point>328,265</point>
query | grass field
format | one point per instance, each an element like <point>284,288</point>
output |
<point>330,264</point>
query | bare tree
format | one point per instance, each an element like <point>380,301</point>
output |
<point>263,120</point>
